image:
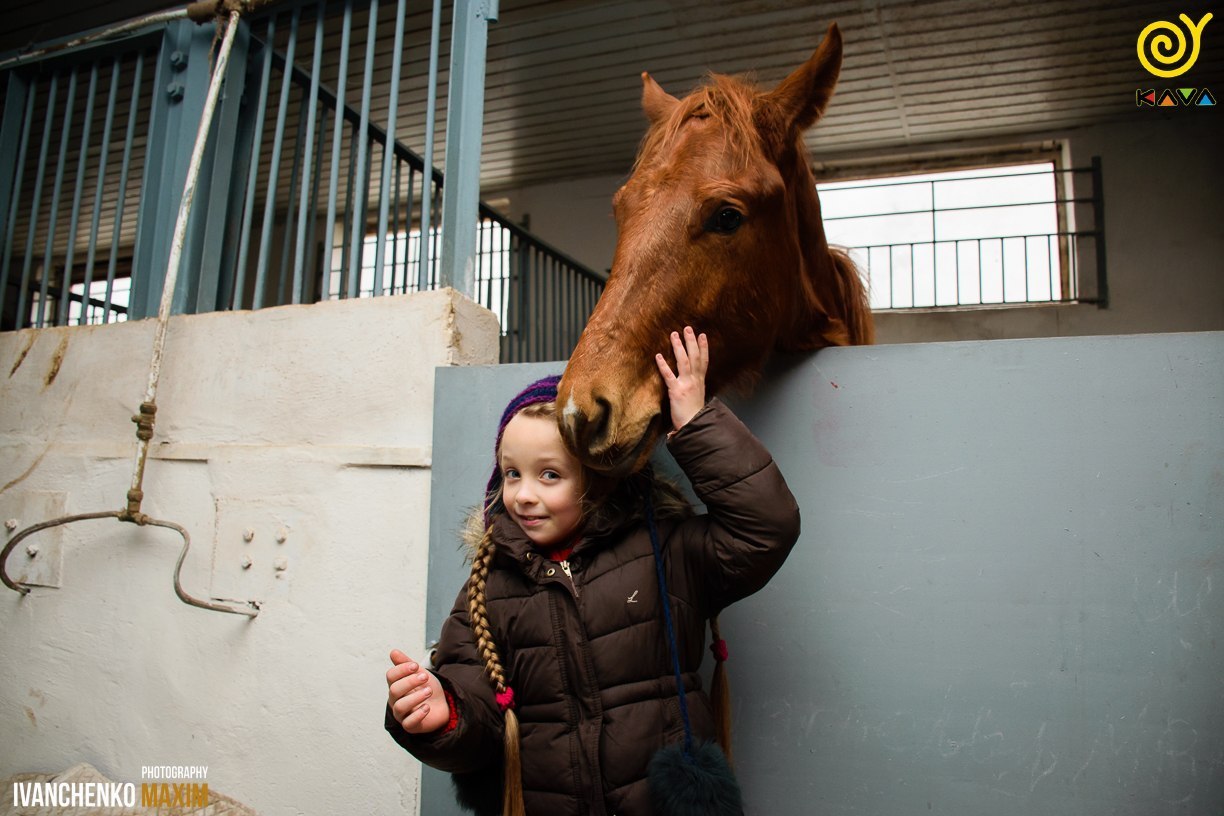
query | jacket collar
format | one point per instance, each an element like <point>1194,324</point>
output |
<point>512,543</point>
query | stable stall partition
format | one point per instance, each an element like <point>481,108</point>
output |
<point>1009,589</point>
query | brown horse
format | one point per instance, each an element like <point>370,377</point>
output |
<point>719,228</point>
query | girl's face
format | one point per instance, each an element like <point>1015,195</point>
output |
<point>541,480</point>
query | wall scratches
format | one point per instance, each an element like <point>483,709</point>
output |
<point>22,355</point>
<point>37,461</point>
<point>57,360</point>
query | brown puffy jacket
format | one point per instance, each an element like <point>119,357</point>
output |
<point>588,658</point>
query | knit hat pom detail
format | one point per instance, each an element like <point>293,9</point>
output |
<point>505,699</point>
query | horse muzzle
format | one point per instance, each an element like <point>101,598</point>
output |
<point>608,437</point>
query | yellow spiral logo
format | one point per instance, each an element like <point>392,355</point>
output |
<point>1153,40</point>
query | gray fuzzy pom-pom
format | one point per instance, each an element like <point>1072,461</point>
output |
<point>700,784</point>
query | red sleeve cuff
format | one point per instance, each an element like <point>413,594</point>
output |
<point>453,722</point>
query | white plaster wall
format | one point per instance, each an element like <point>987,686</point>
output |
<point>1164,204</point>
<point>312,419</point>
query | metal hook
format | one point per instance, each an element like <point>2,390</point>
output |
<point>251,610</point>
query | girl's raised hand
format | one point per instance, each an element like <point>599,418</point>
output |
<point>415,696</point>
<point>686,386</point>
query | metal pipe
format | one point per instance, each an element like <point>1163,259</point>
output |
<point>114,31</point>
<point>251,610</point>
<point>148,407</point>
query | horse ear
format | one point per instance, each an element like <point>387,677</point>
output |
<point>802,97</point>
<point>656,102</point>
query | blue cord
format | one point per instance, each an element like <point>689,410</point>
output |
<point>671,631</point>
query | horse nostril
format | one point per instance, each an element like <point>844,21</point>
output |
<point>586,432</point>
<point>599,422</point>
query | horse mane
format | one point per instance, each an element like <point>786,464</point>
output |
<point>726,99</point>
<point>854,294</point>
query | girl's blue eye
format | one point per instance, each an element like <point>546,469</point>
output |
<point>510,473</point>
<point>551,474</point>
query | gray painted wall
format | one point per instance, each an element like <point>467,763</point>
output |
<point>1005,596</point>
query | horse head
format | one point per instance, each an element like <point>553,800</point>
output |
<point>718,228</point>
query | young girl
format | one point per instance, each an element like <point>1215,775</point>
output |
<point>559,664</point>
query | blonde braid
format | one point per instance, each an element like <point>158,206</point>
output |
<point>478,614</point>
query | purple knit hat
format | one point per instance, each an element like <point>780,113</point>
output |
<point>543,390</point>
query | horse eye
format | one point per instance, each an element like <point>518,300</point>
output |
<point>726,221</point>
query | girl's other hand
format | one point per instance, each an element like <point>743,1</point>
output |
<point>686,386</point>
<point>415,696</point>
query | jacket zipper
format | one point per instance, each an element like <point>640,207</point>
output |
<point>565,567</point>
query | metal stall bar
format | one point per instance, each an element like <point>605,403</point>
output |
<point>431,104</point>
<point>284,275</point>
<point>337,144</point>
<point>49,255</point>
<point>299,252</point>
<point>362,172</point>
<point>312,223</point>
<point>278,141</point>
<point>78,189</point>
<point>107,123</point>
<point>248,210</point>
<point>124,167</point>
<point>18,90</point>
<point>395,219</point>
<point>384,189</point>
<point>346,245</point>
<point>1098,230</point>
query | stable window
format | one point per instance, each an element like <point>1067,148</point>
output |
<point>983,235</point>
<point>402,271</point>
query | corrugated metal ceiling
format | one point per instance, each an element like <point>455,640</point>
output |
<point>562,80</point>
<point>563,77</point>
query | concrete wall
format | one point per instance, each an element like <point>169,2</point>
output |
<point>310,421</point>
<point>1164,201</point>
